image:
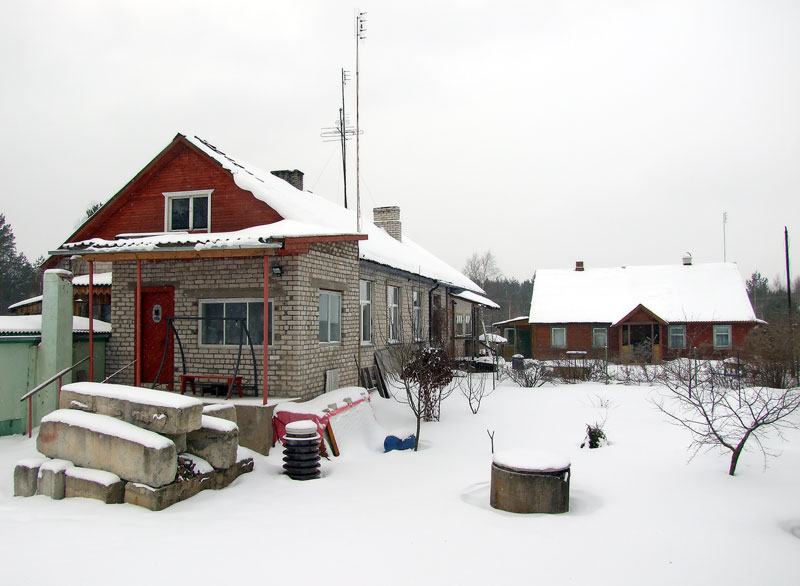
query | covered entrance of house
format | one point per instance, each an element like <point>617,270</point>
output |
<point>157,305</point>
<point>640,336</point>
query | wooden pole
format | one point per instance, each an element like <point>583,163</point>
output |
<point>137,327</point>
<point>266,328</point>
<point>91,321</point>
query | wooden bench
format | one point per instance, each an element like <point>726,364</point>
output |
<point>190,378</point>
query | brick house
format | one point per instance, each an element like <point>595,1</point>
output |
<point>645,313</point>
<point>200,244</point>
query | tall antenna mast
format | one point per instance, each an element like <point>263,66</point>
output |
<point>361,34</point>
<point>341,133</point>
<point>724,244</point>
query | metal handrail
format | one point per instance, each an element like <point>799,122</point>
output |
<point>110,376</point>
<point>29,395</point>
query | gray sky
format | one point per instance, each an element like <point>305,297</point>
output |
<point>614,132</point>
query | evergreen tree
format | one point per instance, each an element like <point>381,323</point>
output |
<point>18,277</point>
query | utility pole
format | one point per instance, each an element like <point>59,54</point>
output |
<point>361,34</point>
<point>788,276</point>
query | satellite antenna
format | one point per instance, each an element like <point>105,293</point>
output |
<point>341,132</point>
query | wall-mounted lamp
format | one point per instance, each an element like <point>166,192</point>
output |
<point>277,271</point>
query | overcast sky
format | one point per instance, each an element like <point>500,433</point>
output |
<point>614,132</point>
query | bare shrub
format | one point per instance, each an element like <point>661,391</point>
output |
<point>473,386</point>
<point>535,374</point>
<point>719,414</point>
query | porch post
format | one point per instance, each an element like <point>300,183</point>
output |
<point>266,326</point>
<point>137,327</point>
<point>91,321</point>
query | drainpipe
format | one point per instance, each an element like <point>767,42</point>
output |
<point>430,313</point>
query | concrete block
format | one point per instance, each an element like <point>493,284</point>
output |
<point>26,476</point>
<point>178,439</point>
<point>51,481</point>
<point>94,484</point>
<point>158,411</point>
<point>98,441</point>
<point>217,442</point>
<point>255,427</point>
<point>221,410</point>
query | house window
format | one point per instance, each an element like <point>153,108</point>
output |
<point>330,317</point>
<point>366,312</point>
<point>722,336</point>
<point>417,316</point>
<point>223,320</point>
<point>510,335</point>
<point>188,210</point>
<point>599,337</point>
<point>459,324</point>
<point>467,324</point>
<point>393,312</point>
<point>677,337</point>
<point>558,337</point>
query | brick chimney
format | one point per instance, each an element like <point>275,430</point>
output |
<point>388,218</point>
<point>579,266</point>
<point>293,178</point>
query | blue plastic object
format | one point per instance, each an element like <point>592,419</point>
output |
<point>395,443</point>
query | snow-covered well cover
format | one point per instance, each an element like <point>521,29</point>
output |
<point>675,293</point>
<point>109,426</point>
<point>302,427</point>
<point>530,460</point>
<point>134,394</point>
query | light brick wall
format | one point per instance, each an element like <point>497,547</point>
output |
<point>297,361</point>
<point>380,281</point>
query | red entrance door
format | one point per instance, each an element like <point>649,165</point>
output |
<point>157,305</point>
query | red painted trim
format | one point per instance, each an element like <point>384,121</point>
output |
<point>266,326</point>
<point>137,327</point>
<point>91,321</point>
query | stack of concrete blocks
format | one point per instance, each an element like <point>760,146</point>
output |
<point>124,444</point>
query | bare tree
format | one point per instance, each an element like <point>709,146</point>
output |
<point>482,267</point>
<point>473,386</point>
<point>718,413</point>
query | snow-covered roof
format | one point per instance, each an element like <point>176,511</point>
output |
<point>24,302</point>
<point>492,338</point>
<point>32,325</point>
<point>711,292</point>
<point>508,321</point>
<point>300,206</point>
<point>475,298</point>
<point>98,280</point>
<point>305,215</point>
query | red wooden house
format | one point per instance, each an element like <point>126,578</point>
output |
<point>644,314</point>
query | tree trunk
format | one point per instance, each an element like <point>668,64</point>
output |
<point>737,451</point>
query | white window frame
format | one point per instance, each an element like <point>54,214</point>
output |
<point>393,313</point>
<point>248,300</point>
<point>416,301</point>
<point>676,332</point>
<point>510,334</point>
<point>329,339</point>
<point>468,324</point>
<point>459,324</point>
<point>171,196</point>
<point>723,330</point>
<point>595,333</point>
<point>553,330</point>
<point>366,306</point>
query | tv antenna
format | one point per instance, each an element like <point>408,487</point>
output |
<point>361,34</point>
<point>341,132</point>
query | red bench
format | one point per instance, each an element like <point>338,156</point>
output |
<point>190,378</point>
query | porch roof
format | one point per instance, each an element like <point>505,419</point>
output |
<point>711,292</point>
<point>32,324</point>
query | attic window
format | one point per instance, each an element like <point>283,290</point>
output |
<point>188,210</point>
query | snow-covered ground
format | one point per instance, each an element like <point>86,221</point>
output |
<point>639,513</point>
